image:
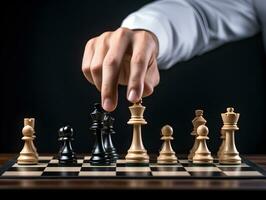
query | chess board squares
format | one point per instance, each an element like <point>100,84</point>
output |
<point>243,173</point>
<point>242,170</point>
<point>54,169</point>
<point>204,171</point>
<point>97,171</point>
<point>129,171</point>
<point>168,170</point>
<point>25,170</point>
<point>55,161</point>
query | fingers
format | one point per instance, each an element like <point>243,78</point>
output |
<point>111,68</point>
<point>152,78</point>
<point>98,58</point>
<point>141,56</point>
<point>121,57</point>
<point>86,61</point>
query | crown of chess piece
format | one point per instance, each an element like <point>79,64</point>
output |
<point>229,154</point>
<point>197,121</point>
<point>202,154</point>
<point>99,155</point>
<point>28,155</point>
<point>108,130</point>
<point>137,152</point>
<point>167,154</point>
<point>66,154</point>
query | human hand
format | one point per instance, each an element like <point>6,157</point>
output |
<point>123,57</point>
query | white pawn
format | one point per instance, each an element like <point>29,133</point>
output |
<point>202,154</point>
<point>167,154</point>
<point>28,154</point>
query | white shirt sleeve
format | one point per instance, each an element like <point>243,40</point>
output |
<point>186,28</point>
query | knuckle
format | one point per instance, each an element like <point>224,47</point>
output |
<point>85,69</point>
<point>110,60</point>
<point>104,38</point>
<point>95,68</point>
<point>138,59</point>
<point>90,43</point>
<point>121,33</point>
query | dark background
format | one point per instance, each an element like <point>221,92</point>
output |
<point>42,43</point>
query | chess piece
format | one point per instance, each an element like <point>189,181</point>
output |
<point>137,152</point>
<point>167,154</point>
<point>99,155</point>
<point>66,154</point>
<point>202,154</point>
<point>28,154</point>
<point>221,148</point>
<point>230,155</point>
<point>108,130</point>
<point>31,122</point>
<point>197,121</point>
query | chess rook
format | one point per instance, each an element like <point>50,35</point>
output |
<point>197,121</point>
<point>28,154</point>
<point>66,154</point>
<point>137,152</point>
<point>230,155</point>
<point>167,154</point>
<point>202,154</point>
<point>98,155</point>
<point>108,131</point>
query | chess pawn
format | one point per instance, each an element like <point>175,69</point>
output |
<point>202,154</point>
<point>230,155</point>
<point>137,152</point>
<point>221,148</point>
<point>108,130</point>
<point>31,122</point>
<point>197,121</point>
<point>167,154</point>
<point>27,155</point>
<point>66,154</point>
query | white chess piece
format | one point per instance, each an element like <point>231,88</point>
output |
<point>137,152</point>
<point>167,154</point>
<point>197,121</point>
<point>27,155</point>
<point>202,154</point>
<point>230,155</point>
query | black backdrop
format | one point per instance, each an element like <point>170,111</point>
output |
<point>42,44</point>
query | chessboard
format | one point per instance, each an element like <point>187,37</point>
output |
<point>48,167</point>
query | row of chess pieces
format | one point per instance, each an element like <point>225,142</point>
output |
<point>199,154</point>
<point>104,152</point>
<point>227,153</point>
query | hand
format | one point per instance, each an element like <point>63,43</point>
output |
<point>125,57</point>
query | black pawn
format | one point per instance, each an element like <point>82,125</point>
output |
<point>99,155</point>
<point>108,130</point>
<point>66,154</point>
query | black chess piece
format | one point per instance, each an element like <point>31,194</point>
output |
<point>66,154</point>
<point>99,155</point>
<point>108,130</point>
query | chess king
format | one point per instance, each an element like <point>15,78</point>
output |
<point>137,152</point>
<point>230,155</point>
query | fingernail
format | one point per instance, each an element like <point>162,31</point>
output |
<point>108,104</point>
<point>133,96</point>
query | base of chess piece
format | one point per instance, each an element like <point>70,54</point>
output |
<point>167,158</point>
